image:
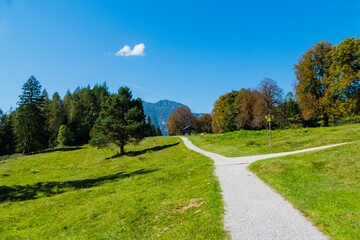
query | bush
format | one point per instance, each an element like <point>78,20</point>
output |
<point>65,136</point>
<point>349,120</point>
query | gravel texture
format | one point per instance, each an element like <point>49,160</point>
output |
<point>253,210</point>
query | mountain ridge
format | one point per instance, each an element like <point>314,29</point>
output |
<point>160,112</point>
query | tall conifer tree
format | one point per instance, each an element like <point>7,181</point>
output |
<point>30,120</point>
<point>120,121</point>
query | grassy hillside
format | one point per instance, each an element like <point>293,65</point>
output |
<point>323,185</point>
<point>245,143</point>
<point>160,190</point>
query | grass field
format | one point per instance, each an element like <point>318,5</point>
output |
<point>323,185</point>
<point>245,142</point>
<point>160,190</point>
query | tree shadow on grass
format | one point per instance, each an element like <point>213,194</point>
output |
<point>48,189</point>
<point>61,149</point>
<point>140,152</point>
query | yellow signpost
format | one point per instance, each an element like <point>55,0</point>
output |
<point>269,118</point>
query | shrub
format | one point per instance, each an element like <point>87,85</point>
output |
<point>65,136</point>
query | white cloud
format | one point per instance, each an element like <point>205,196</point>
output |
<point>126,51</point>
<point>138,50</point>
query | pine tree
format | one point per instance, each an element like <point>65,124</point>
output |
<point>82,108</point>
<point>151,130</point>
<point>30,121</point>
<point>7,138</point>
<point>158,131</point>
<point>56,116</point>
<point>120,121</point>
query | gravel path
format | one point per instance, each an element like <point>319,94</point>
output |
<point>253,210</point>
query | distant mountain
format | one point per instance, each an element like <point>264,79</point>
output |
<point>160,112</point>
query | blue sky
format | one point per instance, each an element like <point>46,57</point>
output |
<point>187,51</point>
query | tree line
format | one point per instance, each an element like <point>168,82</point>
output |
<point>40,122</point>
<point>327,89</point>
<point>243,109</point>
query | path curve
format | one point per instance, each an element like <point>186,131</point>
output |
<point>252,209</point>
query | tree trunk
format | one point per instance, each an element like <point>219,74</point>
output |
<point>122,149</point>
<point>326,120</point>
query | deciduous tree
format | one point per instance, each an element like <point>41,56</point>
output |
<point>251,110</point>
<point>179,119</point>
<point>65,137</point>
<point>344,87</point>
<point>271,93</point>
<point>203,124</point>
<point>224,113</point>
<point>313,79</point>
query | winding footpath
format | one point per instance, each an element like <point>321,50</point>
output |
<point>252,209</point>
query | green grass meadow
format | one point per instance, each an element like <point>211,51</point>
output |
<point>323,185</point>
<point>249,142</point>
<point>160,190</point>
